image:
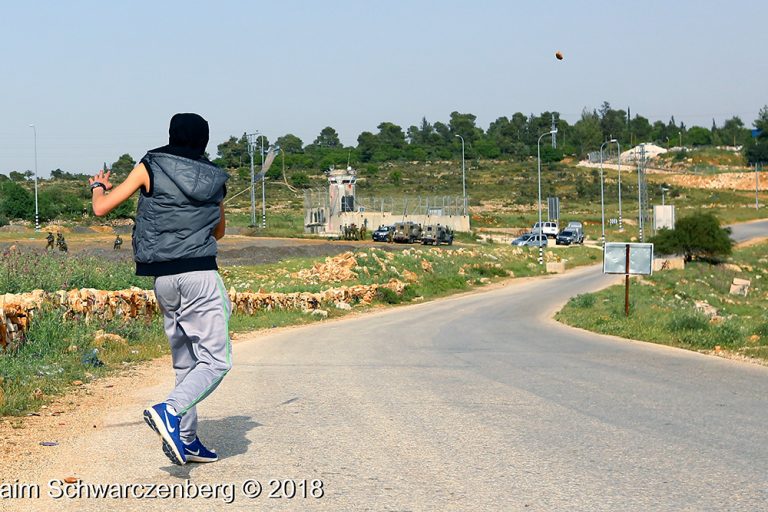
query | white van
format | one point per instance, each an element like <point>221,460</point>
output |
<point>550,228</point>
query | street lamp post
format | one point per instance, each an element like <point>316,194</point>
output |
<point>640,184</point>
<point>463,179</point>
<point>758,168</point>
<point>618,148</point>
<point>602,192</point>
<point>663,190</point>
<point>251,144</point>
<point>263,189</point>
<point>37,212</point>
<point>541,227</point>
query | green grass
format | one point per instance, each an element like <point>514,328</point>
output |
<point>662,307</point>
<point>51,357</point>
<point>24,270</point>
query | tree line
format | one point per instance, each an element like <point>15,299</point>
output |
<point>512,138</point>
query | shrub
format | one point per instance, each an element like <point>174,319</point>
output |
<point>696,236</point>
<point>300,180</point>
<point>388,296</point>
<point>15,201</point>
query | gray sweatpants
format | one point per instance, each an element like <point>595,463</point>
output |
<point>196,311</point>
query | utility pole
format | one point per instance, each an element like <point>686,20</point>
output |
<point>758,168</point>
<point>641,191</point>
<point>251,148</point>
<point>37,211</point>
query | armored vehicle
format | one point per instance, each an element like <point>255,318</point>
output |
<point>435,234</point>
<point>406,232</point>
<point>383,233</point>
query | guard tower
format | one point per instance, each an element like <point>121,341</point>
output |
<point>341,190</point>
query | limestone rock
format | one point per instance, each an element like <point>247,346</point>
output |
<point>740,287</point>
<point>555,267</point>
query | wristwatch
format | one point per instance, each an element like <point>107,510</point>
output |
<point>98,184</point>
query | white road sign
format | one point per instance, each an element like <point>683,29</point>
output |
<point>640,258</point>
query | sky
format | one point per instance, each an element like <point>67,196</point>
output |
<point>99,79</point>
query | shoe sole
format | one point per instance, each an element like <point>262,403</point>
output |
<point>196,458</point>
<point>156,423</point>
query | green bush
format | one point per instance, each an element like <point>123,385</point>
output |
<point>387,296</point>
<point>696,236</point>
<point>300,180</point>
<point>15,201</point>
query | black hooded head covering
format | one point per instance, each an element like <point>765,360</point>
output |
<point>187,137</point>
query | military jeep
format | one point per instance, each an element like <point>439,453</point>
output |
<point>406,232</point>
<point>435,234</point>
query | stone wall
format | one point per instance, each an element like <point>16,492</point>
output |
<point>17,311</point>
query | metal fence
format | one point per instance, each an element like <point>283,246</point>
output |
<point>397,205</point>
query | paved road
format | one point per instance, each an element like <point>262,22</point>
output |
<point>749,230</point>
<point>477,402</point>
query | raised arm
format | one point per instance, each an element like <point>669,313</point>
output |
<point>104,203</point>
<point>218,232</point>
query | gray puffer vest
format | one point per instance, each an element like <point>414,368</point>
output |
<point>175,222</point>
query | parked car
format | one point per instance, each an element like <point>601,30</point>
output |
<point>550,228</point>
<point>567,237</point>
<point>578,228</point>
<point>531,240</point>
<point>382,233</point>
<point>406,232</point>
<point>435,234</point>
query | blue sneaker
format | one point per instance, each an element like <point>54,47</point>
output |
<point>196,452</point>
<point>167,426</point>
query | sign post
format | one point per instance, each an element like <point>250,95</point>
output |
<point>626,286</point>
<point>628,259</point>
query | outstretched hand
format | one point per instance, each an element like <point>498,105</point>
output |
<point>101,177</point>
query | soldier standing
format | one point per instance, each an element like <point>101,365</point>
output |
<point>118,243</point>
<point>50,241</point>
